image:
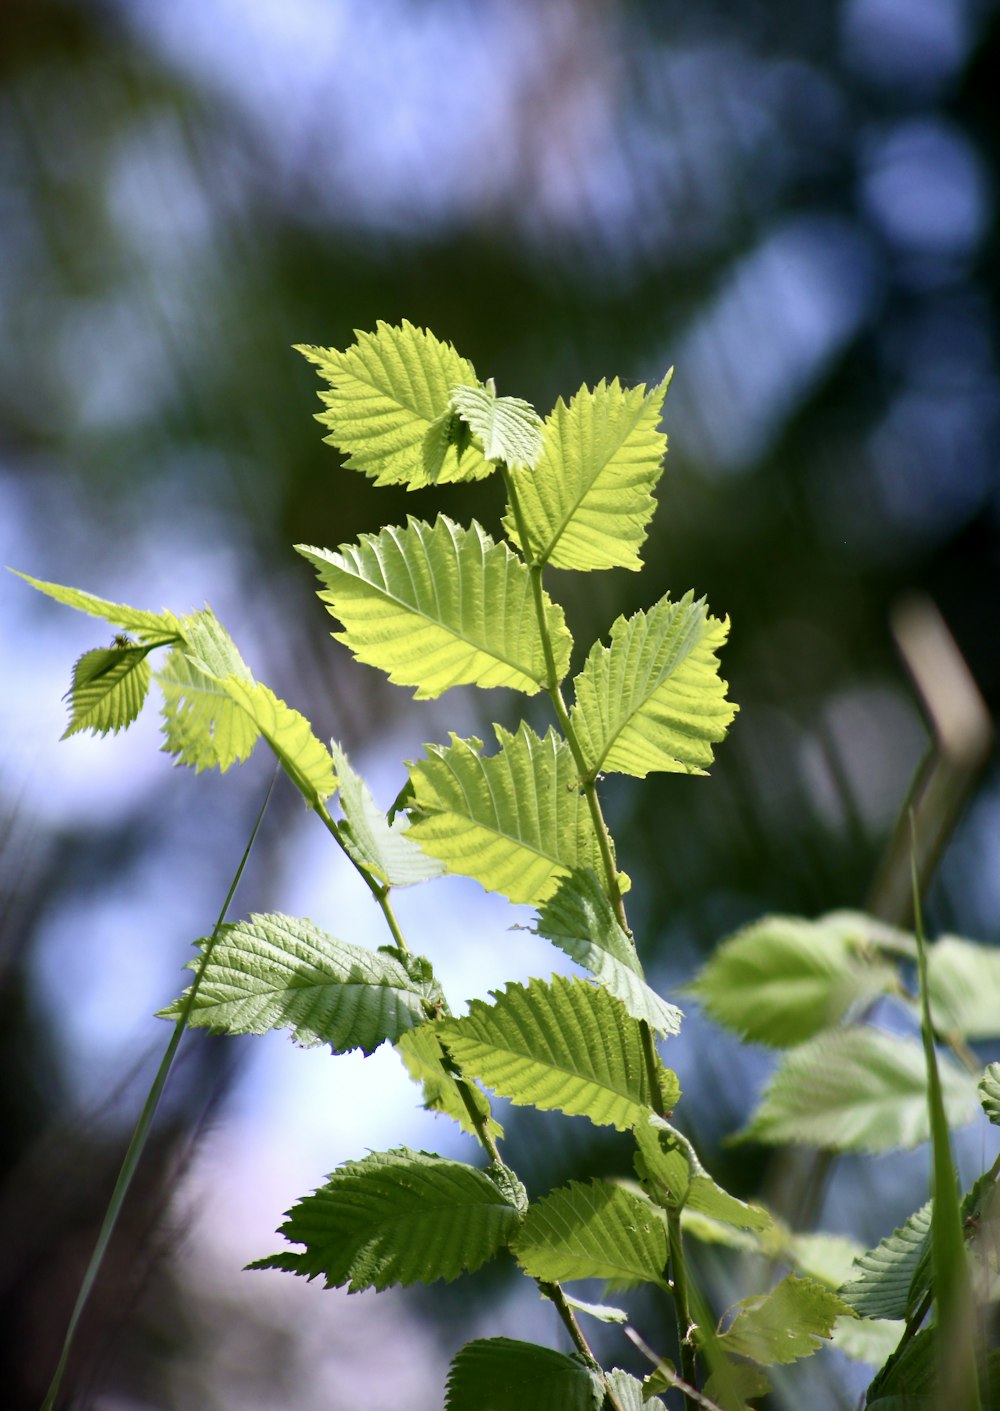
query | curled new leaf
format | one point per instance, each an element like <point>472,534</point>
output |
<point>203,726</point>
<point>508,429</point>
<point>380,847</point>
<point>109,688</point>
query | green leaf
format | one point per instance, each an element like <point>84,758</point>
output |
<point>579,918</point>
<point>389,411</point>
<point>593,1231</point>
<point>109,688</point>
<point>589,500</point>
<point>279,972</point>
<point>989,1092</point>
<point>509,429</point>
<point>629,1391</point>
<point>870,1340</point>
<point>788,1323</point>
<point>499,1374</point>
<point>420,1050</point>
<point>304,759</point>
<point>603,1312</point>
<point>562,1045</point>
<point>672,1174</point>
<point>202,725</point>
<point>781,980</point>
<point>154,628</point>
<point>964,987</point>
<point>516,821</point>
<point>654,699</point>
<point>436,606</point>
<point>380,847</point>
<point>740,1383</point>
<point>883,1286</point>
<point>396,1217</point>
<point>855,1089</point>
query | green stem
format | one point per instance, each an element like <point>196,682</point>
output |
<point>682,1304</point>
<point>141,1132</point>
<point>565,1311</point>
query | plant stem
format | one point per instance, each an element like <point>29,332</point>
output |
<point>379,890</point>
<point>682,1304</point>
<point>555,1293</point>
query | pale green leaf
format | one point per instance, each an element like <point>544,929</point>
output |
<point>869,1340</point>
<point>422,1056</point>
<point>964,987</point>
<point>579,918</point>
<point>788,1323</point>
<point>672,1174</point>
<point>593,1231</point>
<point>654,699</point>
<point>380,847</point>
<point>883,1282</point>
<point>396,1217</point>
<point>629,1391</point>
<point>782,979</point>
<point>280,972</point>
<point>829,1259</point>
<point>304,759</point>
<point>499,1374</point>
<point>508,429</point>
<point>588,501</point>
<point>603,1312</point>
<point>563,1044</point>
<point>439,605</point>
<point>989,1092</point>
<point>154,628</point>
<point>516,821</point>
<point>109,689</point>
<point>388,409</point>
<point>202,725</point>
<point>856,1089</point>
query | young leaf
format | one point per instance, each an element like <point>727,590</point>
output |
<point>630,1392</point>
<point>516,821</point>
<point>603,1312</point>
<point>202,725</point>
<point>279,972</point>
<point>396,1217</point>
<point>672,1174</point>
<point>579,918</point>
<point>593,1231</point>
<point>989,1092</point>
<point>380,847</point>
<point>154,628</point>
<point>509,429</point>
<point>304,759</point>
<point>588,501</point>
<point>883,1286</point>
<point>109,688</point>
<point>388,408</point>
<point>963,981</point>
<point>563,1044</point>
<point>783,979</point>
<point>436,606</point>
<point>654,699</point>
<point>855,1089</point>
<point>871,1340</point>
<point>420,1050</point>
<point>499,1374</point>
<point>788,1323</point>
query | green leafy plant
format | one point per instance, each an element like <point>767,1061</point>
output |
<point>437,605</point>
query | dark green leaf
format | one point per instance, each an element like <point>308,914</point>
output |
<point>499,1374</point>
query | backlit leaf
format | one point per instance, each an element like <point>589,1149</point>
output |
<point>788,1323</point>
<point>654,699</point>
<point>203,726</point>
<point>154,628</point>
<point>882,1285</point>
<point>508,429</point>
<point>389,410</point>
<point>440,605</point>
<point>420,1050</point>
<point>989,1092</point>
<point>672,1174</point>
<point>964,987</point>
<point>109,688</point>
<point>303,757</point>
<point>380,847</point>
<point>593,1230</point>
<point>499,1374</point>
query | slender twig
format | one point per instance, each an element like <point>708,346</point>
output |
<point>682,1305</point>
<point>569,1318</point>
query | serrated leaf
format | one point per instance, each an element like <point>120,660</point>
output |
<point>154,628</point>
<point>562,1044</point>
<point>593,1231</point>
<point>579,918</point>
<point>380,847</point>
<point>654,699</point>
<point>781,980</point>
<point>883,1283</point>
<point>302,756</point>
<point>281,972</point>
<point>788,1323</point>
<point>855,1089</point>
<point>420,1051</point>
<point>509,429</point>
<point>589,500</point>
<point>672,1174</point>
<point>388,408</point>
<point>631,1392</point>
<point>989,1092</point>
<point>964,987</point>
<point>439,605</point>
<point>516,821</point>
<point>202,725</point>
<point>737,1386</point>
<point>499,1374</point>
<point>396,1217</point>
<point>109,689</point>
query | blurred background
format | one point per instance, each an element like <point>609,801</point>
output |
<point>794,204</point>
